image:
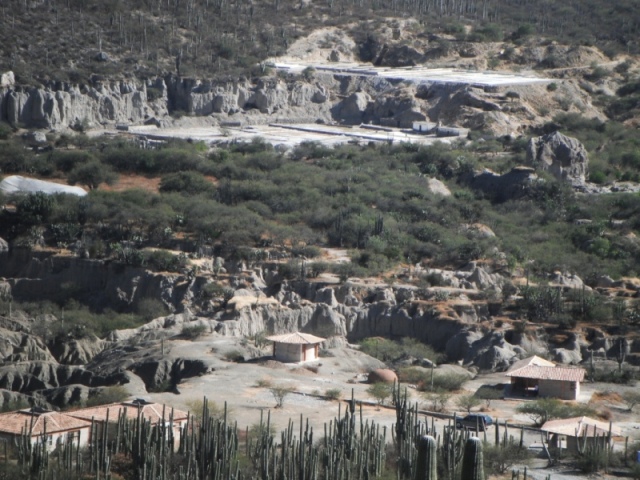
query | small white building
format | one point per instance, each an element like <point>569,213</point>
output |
<point>296,347</point>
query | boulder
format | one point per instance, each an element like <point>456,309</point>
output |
<point>7,79</point>
<point>383,375</point>
<point>484,280</point>
<point>564,157</point>
<point>569,357</point>
<point>458,346</point>
<point>437,187</point>
<point>478,230</point>
<point>495,358</point>
<point>4,245</point>
<point>101,57</point>
<point>36,137</point>
<point>568,280</point>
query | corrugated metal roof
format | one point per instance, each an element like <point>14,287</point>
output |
<point>25,421</point>
<point>566,374</point>
<point>296,337</point>
<point>580,425</point>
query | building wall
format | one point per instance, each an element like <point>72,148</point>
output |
<point>310,352</point>
<point>288,352</point>
<point>559,389</point>
<point>295,353</point>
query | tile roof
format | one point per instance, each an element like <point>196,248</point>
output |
<point>535,360</point>
<point>566,374</point>
<point>581,426</point>
<point>36,423</point>
<point>296,337</point>
<point>150,411</point>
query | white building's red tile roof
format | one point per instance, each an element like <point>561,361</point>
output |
<point>296,337</point>
<point>150,411</point>
<point>565,374</point>
<point>35,422</point>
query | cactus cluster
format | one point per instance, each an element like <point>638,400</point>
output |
<point>209,449</point>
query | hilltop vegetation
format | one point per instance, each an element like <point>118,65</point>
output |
<point>56,40</point>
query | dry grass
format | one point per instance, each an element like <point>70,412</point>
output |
<point>133,182</point>
<point>606,397</point>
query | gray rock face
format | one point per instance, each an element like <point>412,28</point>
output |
<point>117,102</point>
<point>564,157</point>
<point>22,347</point>
<point>353,108</point>
<point>146,361</point>
<point>9,399</point>
<point>29,377</point>
<point>4,245</point>
<point>77,352</point>
<point>509,186</point>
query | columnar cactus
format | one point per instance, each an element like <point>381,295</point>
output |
<point>426,464</point>
<point>472,461</point>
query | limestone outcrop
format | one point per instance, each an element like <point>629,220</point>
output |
<point>562,156</point>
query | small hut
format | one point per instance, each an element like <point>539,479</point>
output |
<point>296,347</point>
<point>568,433</point>
<point>535,376</point>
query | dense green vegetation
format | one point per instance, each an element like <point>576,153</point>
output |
<point>370,198</point>
<point>218,37</point>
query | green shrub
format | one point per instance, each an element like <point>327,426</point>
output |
<point>235,356</point>
<point>164,261</point>
<point>107,395</point>
<point>192,332</point>
<point>333,393</point>
<point>545,409</point>
<point>189,183</point>
<point>432,380</point>
<point>498,459</point>
<point>380,391</point>
<point>150,308</point>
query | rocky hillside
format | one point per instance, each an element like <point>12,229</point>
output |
<point>475,316</point>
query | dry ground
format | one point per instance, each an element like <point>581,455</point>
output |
<point>237,384</point>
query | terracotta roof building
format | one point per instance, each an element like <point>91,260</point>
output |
<point>538,377</point>
<point>567,432</point>
<point>296,347</point>
<point>153,412</point>
<point>44,425</point>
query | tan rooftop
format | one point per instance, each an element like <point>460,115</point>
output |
<point>150,411</point>
<point>535,360</point>
<point>579,426</point>
<point>296,337</point>
<point>566,374</point>
<point>34,422</point>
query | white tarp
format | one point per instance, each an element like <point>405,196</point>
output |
<point>18,184</point>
